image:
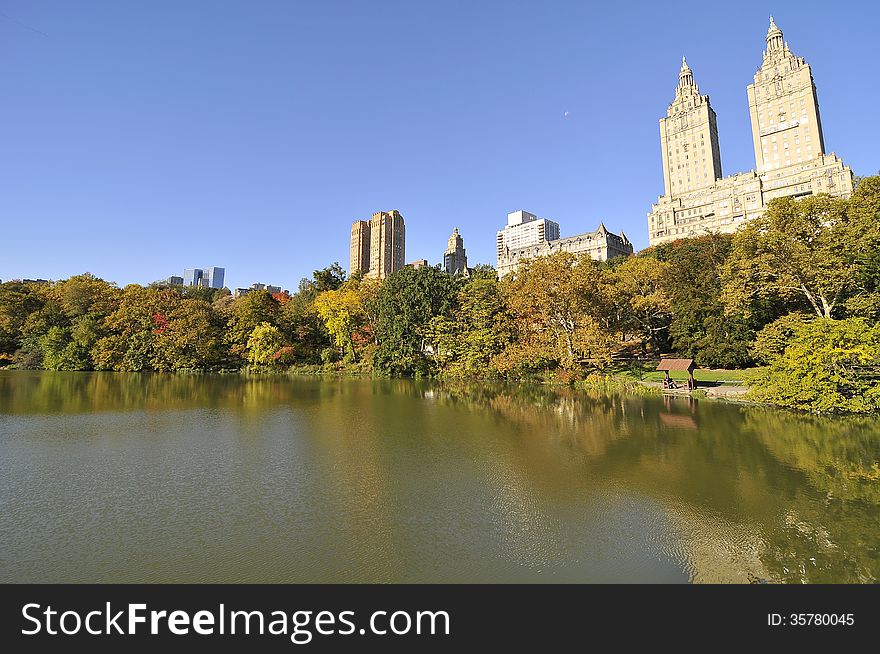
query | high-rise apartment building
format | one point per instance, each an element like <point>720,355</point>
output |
<point>689,138</point>
<point>523,229</point>
<point>378,246</point>
<point>387,243</point>
<point>359,252</point>
<point>790,155</point>
<point>455,257</point>
<point>192,277</point>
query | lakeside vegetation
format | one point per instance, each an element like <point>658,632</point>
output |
<point>796,291</point>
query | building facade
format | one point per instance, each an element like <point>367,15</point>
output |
<point>359,252</point>
<point>212,277</point>
<point>387,243</point>
<point>601,245</point>
<point>378,246</point>
<point>790,155</point>
<point>455,257</point>
<point>523,229</point>
<point>192,277</point>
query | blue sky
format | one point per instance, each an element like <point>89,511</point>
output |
<point>140,138</point>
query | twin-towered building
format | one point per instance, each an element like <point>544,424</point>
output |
<point>378,245</point>
<point>790,155</point>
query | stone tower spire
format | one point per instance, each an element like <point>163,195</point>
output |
<point>784,109</point>
<point>685,75</point>
<point>455,257</point>
<point>689,138</point>
<point>775,41</point>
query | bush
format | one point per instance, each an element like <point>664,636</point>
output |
<point>829,366</point>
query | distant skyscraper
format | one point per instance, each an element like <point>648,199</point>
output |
<point>192,277</point>
<point>455,258</point>
<point>213,277</point>
<point>208,277</point>
<point>387,243</point>
<point>378,247</point>
<point>359,251</point>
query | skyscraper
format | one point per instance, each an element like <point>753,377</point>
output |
<point>455,258</point>
<point>387,243</point>
<point>789,151</point>
<point>783,108</point>
<point>192,277</point>
<point>689,138</point>
<point>359,251</point>
<point>378,246</point>
<point>208,277</point>
<point>213,277</point>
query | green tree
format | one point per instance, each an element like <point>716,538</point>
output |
<point>190,339</point>
<point>406,302</point>
<point>465,340</point>
<point>18,300</point>
<point>642,304</point>
<point>799,249</point>
<point>133,329</point>
<point>246,313</point>
<point>829,366</point>
<point>263,344</point>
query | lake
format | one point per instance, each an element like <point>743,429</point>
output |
<point>112,477</point>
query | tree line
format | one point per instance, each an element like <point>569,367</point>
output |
<point>796,290</point>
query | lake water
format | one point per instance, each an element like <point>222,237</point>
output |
<point>161,478</point>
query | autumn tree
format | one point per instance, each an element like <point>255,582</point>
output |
<point>343,315</point>
<point>246,313</point>
<point>642,304</point>
<point>263,344</point>
<point>798,250</point>
<point>561,312</point>
<point>465,340</point>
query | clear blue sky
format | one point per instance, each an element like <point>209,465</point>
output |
<point>140,138</point>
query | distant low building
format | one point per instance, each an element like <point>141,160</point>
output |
<point>531,239</point>
<point>273,290</point>
<point>418,263</point>
<point>174,281</point>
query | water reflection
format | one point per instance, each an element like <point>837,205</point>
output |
<point>118,477</point>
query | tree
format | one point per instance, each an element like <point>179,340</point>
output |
<point>562,314</point>
<point>246,313</point>
<point>133,329</point>
<point>799,249</point>
<point>698,328</point>
<point>643,305</point>
<point>263,344</point>
<point>18,300</point>
<point>343,315</point>
<point>406,302</point>
<point>466,339</point>
<point>191,338</point>
<point>829,366</point>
